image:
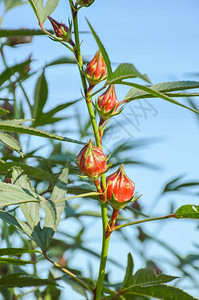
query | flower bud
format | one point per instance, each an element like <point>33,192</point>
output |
<point>61,30</point>
<point>107,103</point>
<point>91,161</point>
<point>85,3</point>
<point>120,189</point>
<point>96,69</point>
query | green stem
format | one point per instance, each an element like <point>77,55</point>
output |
<point>87,92</point>
<point>84,284</point>
<point>79,196</point>
<point>145,220</point>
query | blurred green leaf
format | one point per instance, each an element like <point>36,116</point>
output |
<point>23,280</point>
<point>15,261</point>
<point>15,126</point>
<point>125,71</point>
<point>3,111</point>
<point>40,97</point>
<point>187,211</point>
<point>9,4</point>
<point>16,251</point>
<point>11,142</point>
<point>8,72</point>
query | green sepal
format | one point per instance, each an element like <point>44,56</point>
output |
<point>119,205</point>
<point>92,81</point>
<point>107,115</point>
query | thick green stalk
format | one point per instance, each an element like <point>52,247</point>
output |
<point>105,241</point>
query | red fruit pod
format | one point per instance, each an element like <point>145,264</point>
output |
<point>96,69</point>
<point>91,161</point>
<point>120,189</point>
<point>107,103</point>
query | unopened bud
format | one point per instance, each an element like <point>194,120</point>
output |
<point>61,30</point>
<point>96,69</point>
<point>85,3</point>
<point>91,161</point>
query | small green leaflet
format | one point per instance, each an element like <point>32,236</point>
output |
<point>22,280</point>
<point>15,261</point>
<point>16,251</point>
<point>187,211</point>
<point>11,142</point>
<point>41,11</point>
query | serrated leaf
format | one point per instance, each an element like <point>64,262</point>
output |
<point>8,72</point>
<point>129,270</point>
<point>21,280</point>
<point>125,71</point>
<point>16,251</point>
<point>30,210</point>
<point>10,142</point>
<point>154,93</point>
<point>15,261</point>
<point>187,211</point>
<point>11,194</point>
<point>14,126</point>
<point>40,96</point>
<point>162,292</point>
<point>41,11</point>
<point>102,49</point>
<point>147,277</point>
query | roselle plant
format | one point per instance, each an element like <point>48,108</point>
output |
<point>101,177</point>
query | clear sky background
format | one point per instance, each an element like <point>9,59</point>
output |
<point>161,38</point>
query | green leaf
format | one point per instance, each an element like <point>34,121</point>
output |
<point>154,93</point>
<point>3,111</point>
<point>21,280</point>
<point>32,172</point>
<point>65,60</point>
<point>102,49</point>
<point>59,192</point>
<point>9,4</point>
<point>147,277</point>
<point>11,142</point>
<point>11,194</point>
<point>15,126</point>
<point>162,292</point>
<point>15,261</point>
<point>187,211</point>
<point>30,210</point>
<point>43,12</point>
<point>125,71</point>
<point>129,270</point>
<point>22,32</point>
<point>15,222</point>
<point>16,251</point>
<point>40,97</point>
<point>8,72</point>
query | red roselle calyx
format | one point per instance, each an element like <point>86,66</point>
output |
<point>96,69</point>
<point>120,189</point>
<point>61,30</point>
<point>107,103</point>
<point>91,161</point>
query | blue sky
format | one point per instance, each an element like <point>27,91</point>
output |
<point>161,38</point>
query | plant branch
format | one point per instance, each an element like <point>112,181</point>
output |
<point>84,284</point>
<point>79,196</point>
<point>144,221</point>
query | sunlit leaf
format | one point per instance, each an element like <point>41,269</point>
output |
<point>10,142</point>
<point>187,211</point>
